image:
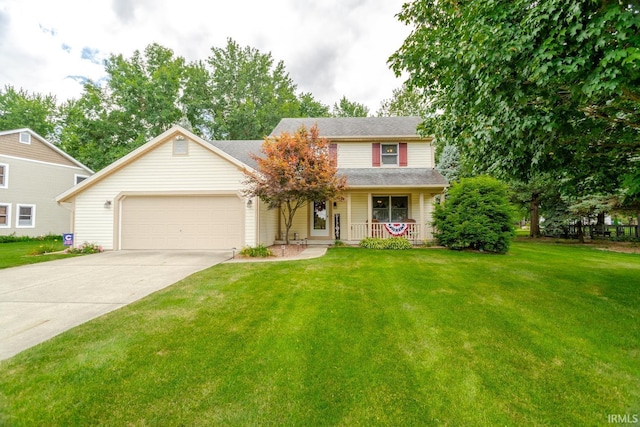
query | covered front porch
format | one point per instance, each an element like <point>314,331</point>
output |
<point>382,213</point>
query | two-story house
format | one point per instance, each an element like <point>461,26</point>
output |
<point>179,191</point>
<point>32,173</point>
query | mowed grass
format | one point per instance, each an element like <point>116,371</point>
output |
<point>546,335</point>
<point>30,252</point>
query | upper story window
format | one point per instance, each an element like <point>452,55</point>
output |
<point>4,176</point>
<point>26,217</point>
<point>389,154</point>
<point>25,137</point>
<point>77,179</point>
<point>5,211</point>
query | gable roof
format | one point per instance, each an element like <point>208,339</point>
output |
<point>141,151</point>
<point>354,127</point>
<point>47,144</point>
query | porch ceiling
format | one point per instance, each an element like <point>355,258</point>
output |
<point>393,177</point>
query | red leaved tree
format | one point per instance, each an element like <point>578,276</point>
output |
<point>294,170</point>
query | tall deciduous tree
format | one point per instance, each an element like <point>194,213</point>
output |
<point>526,89</point>
<point>346,108</point>
<point>21,109</point>
<point>293,171</point>
<point>249,93</point>
<point>140,100</point>
<point>405,101</point>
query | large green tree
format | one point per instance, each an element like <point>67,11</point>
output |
<point>347,108</point>
<point>141,99</point>
<point>249,93</point>
<point>21,109</point>
<point>405,101</point>
<point>529,89</point>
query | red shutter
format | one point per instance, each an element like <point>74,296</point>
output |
<point>375,153</point>
<point>333,154</point>
<point>402,148</point>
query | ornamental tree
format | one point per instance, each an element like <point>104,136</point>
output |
<point>294,170</point>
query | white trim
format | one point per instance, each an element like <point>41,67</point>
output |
<point>76,176</point>
<point>8,224</point>
<point>141,151</point>
<point>5,184</point>
<point>44,163</point>
<point>27,139</point>
<point>382,155</point>
<point>33,215</point>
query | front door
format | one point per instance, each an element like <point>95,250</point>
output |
<point>319,219</point>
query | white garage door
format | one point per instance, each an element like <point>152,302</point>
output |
<point>174,222</point>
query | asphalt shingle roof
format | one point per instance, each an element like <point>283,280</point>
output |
<point>241,150</point>
<point>356,177</point>
<point>400,177</point>
<point>350,127</point>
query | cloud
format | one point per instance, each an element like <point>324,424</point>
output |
<point>5,20</point>
<point>50,31</point>
<point>80,79</point>
<point>125,10</point>
<point>91,55</point>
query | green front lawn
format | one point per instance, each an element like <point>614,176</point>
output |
<point>30,252</point>
<point>546,335</point>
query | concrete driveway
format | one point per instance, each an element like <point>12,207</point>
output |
<point>40,301</point>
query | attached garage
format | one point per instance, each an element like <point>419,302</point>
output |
<point>181,222</point>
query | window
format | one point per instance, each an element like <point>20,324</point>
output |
<point>25,137</point>
<point>26,217</point>
<point>180,146</point>
<point>77,179</point>
<point>390,208</point>
<point>4,176</point>
<point>5,212</point>
<point>389,154</point>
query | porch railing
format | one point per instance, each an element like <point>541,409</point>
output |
<point>360,231</point>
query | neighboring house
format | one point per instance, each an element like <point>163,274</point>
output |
<point>32,173</point>
<point>179,191</point>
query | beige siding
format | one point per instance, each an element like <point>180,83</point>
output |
<point>268,225</point>
<point>157,171</point>
<point>358,155</point>
<point>36,183</point>
<point>300,223</point>
<point>419,155</point>
<point>354,155</point>
<point>10,145</point>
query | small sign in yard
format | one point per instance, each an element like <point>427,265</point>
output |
<point>67,239</point>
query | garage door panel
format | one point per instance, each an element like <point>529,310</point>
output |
<point>173,222</point>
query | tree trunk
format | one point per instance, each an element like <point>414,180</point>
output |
<point>580,231</point>
<point>600,226</point>
<point>534,212</point>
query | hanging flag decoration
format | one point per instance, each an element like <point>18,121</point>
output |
<point>396,229</point>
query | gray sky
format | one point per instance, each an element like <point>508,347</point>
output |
<point>330,48</point>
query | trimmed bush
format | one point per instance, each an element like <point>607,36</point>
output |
<point>396,243</point>
<point>476,215</point>
<point>260,251</point>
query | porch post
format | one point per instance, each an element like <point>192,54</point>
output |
<point>348,217</point>
<point>422,218</point>
<point>369,215</point>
